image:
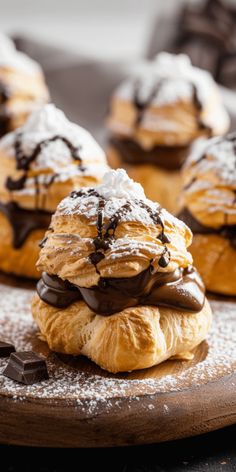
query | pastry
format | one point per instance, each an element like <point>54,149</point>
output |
<point>209,208</point>
<point>40,163</point>
<point>22,86</point>
<point>154,118</point>
<point>117,282</point>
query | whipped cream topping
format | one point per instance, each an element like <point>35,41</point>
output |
<point>44,124</point>
<point>13,59</point>
<point>117,184</point>
<point>176,75</point>
<point>117,189</point>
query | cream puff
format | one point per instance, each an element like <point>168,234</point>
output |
<point>40,163</point>
<point>209,208</point>
<point>118,285</point>
<point>155,116</point>
<point>22,86</point>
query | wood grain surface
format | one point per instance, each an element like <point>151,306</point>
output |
<point>170,401</point>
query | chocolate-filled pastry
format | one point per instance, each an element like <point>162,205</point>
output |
<point>118,283</point>
<point>22,86</point>
<point>40,163</point>
<point>154,118</point>
<point>209,208</point>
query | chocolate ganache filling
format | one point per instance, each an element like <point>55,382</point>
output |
<point>226,231</point>
<point>167,157</point>
<point>182,289</point>
<point>4,115</point>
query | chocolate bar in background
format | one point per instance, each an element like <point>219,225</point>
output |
<point>206,31</point>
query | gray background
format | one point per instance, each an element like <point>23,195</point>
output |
<point>112,29</point>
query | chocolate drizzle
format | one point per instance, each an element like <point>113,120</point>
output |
<point>106,231</point>
<point>23,162</point>
<point>4,115</point>
<point>23,222</point>
<point>226,231</point>
<point>142,105</point>
<point>182,290</point>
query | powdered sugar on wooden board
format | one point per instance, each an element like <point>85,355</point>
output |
<point>89,388</point>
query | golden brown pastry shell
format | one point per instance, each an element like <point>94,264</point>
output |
<point>22,261</point>
<point>135,338</point>
<point>215,259</point>
<point>27,91</point>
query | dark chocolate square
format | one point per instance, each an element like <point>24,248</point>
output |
<point>26,367</point>
<point>6,349</point>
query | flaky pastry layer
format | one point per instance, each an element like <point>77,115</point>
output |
<point>70,243</point>
<point>215,259</point>
<point>135,338</point>
<point>175,124</point>
<point>209,182</point>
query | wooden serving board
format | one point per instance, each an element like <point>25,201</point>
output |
<point>83,406</point>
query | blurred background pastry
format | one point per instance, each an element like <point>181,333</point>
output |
<point>118,283</point>
<point>209,208</point>
<point>40,163</point>
<point>22,86</point>
<point>155,116</point>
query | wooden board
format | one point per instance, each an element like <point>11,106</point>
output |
<point>83,406</point>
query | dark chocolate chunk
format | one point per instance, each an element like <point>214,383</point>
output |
<point>164,259</point>
<point>26,367</point>
<point>6,349</point>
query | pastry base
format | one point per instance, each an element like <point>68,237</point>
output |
<point>160,185</point>
<point>135,338</point>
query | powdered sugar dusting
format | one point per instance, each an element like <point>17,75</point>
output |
<point>48,122</point>
<point>87,390</point>
<point>219,160</point>
<point>117,189</point>
<point>211,169</point>
<point>179,77</point>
